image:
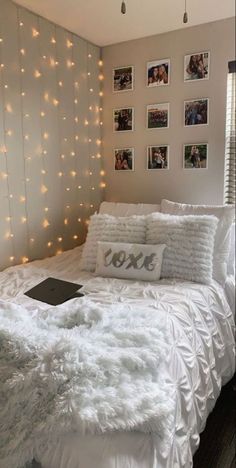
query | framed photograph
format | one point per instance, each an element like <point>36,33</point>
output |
<point>158,157</point>
<point>158,115</point>
<point>123,79</point>
<point>196,112</point>
<point>123,119</point>
<point>158,73</point>
<point>195,156</point>
<point>124,159</point>
<point>197,66</point>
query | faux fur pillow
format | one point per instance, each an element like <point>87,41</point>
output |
<point>129,261</point>
<point>225,214</point>
<point>189,245</point>
<point>108,228</point>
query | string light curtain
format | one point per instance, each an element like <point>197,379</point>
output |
<point>229,181</point>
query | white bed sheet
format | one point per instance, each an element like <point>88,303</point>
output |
<point>197,390</point>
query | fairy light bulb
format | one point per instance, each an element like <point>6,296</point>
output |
<point>44,189</point>
<point>46,223</point>
<point>49,244</point>
<point>59,239</point>
<point>75,237</point>
<point>37,74</point>
<point>8,108</point>
<point>22,51</point>
<point>24,259</point>
<point>100,63</point>
<point>12,259</point>
<point>35,32</point>
<point>53,40</point>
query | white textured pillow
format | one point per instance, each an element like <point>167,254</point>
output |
<point>225,215</point>
<point>108,228</point>
<point>127,209</point>
<point>129,261</point>
<point>189,245</point>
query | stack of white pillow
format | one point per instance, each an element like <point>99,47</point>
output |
<point>182,241</point>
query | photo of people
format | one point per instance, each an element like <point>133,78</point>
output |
<point>197,66</point>
<point>158,157</point>
<point>158,73</point>
<point>123,79</point>
<point>124,159</point>
<point>195,156</point>
<point>158,116</point>
<point>196,112</point>
<point>123,120</point>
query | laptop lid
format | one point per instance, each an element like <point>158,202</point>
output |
<point>54,291</point>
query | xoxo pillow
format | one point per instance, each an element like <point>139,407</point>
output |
<point>129,261</point>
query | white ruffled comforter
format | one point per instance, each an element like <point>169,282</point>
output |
<point>200,360</point>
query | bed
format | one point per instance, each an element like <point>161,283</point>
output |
<point>200,325</point>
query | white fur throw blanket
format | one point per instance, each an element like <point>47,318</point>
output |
<point>80,367</point>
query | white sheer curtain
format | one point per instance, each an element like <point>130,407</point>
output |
<point>230,142</point>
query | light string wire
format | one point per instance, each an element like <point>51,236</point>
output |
<point>59,126</point>
<point>5,150</point>
<point>22,128</point>
<point>88,128</point>
<point>43,155</point>
<point>75,124</point>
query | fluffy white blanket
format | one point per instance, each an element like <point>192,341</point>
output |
<point>80,367</point>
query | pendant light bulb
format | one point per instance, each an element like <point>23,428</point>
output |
<point>185,17</point>
<point>123,8</point>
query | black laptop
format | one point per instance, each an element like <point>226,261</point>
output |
<point>54,291</point>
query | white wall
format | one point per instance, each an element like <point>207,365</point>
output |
<point>194,186</point>
<point>49,165</point>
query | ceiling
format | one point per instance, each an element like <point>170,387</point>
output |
<point>101,22</point>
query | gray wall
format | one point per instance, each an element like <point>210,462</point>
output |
<point>193,186</point>
<point>49,164</point>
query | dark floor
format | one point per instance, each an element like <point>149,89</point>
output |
<point>217,446</point>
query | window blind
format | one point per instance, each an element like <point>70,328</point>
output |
<point>230,137</point>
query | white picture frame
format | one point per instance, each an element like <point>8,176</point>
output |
<point>123,79</point>
<point>196,113</point>
<point>200,68</point>
<point>195,160</point>
<point>158,157</point>
<point>158,116</point>
<point>125,113</point>
<point>158,73</point>
<point>124,159</point>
